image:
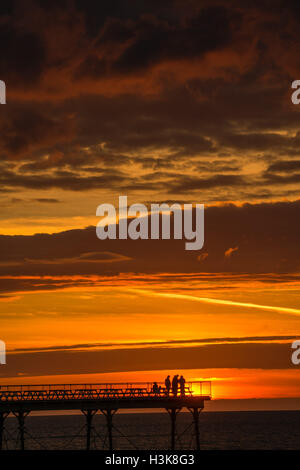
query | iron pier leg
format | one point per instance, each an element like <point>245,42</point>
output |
<point>109,427</point>
<point>173,412</point>
<point>109,415</point>
<point>89,417</point>
<point>196,413</point>
<point>21,415</point>
<point>21,429</point>
<point>3,416</point>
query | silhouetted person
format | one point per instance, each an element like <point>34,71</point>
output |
<point>155,388</point>
<point>182,385</point>
<point>168,385</point>
<point>175,385</point>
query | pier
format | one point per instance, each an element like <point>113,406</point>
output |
<point>107,399</point>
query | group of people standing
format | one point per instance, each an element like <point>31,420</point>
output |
<point>174,385</point>
<point>176,382</point>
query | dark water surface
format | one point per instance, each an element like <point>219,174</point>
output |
<point>219,430</point>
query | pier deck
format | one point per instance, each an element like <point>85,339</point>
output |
<point>104,398</point>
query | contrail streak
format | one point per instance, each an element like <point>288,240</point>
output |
<point>291,311</point>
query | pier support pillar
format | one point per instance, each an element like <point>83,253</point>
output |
<point>3,416</point>
<point>89,418</point>
<point>173,412</point>
<point>21,415</point>
<point>196,413</point>
<point>109,416</point>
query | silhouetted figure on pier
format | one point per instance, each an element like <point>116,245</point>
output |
<point>182,385</point>
<point>168,385</point>
<point>175,385</point>
<point>155,388</point>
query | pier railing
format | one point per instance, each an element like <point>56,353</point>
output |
<point>94,391</point>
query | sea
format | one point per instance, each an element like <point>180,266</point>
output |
<point>265,430</point>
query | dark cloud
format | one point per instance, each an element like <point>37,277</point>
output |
<point>285,166</point>
<point>157,41</point>
<point>23,55</point>
<point>245,356</point>
<point>83,258</point>
<point>206,183</point>
<point>173,88</point>
<point>283,180</point>
<point>54,4</point>
<point>261,231</point>
<point>28,129</point>
<point>64,181</point>
<point>271,142</point>
<point>97,14</point>
<point>47,200</point>
<point>245,339</point>
<point>6,7</point>
<point>56,137</point>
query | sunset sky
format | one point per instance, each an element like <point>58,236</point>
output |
<point>182,101</point>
